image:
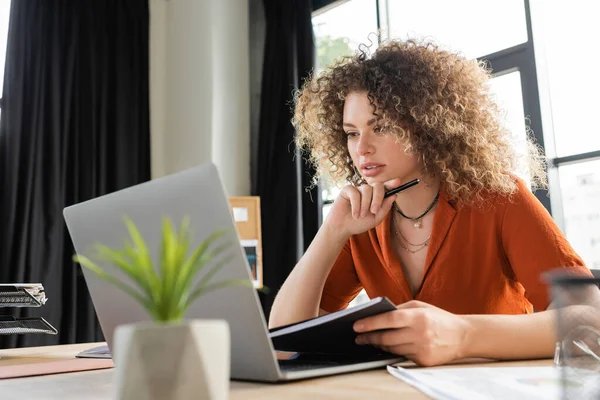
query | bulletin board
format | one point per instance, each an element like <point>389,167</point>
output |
<point>246,214</point>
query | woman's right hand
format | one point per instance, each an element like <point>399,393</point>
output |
<point>358,209</point>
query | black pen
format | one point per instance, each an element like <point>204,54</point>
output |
<point>401,188</point>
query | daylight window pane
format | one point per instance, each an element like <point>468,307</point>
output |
<point>474,27</point>
<point>568,37</point>
<point>580,188</point>
<point>339,31</point>
<point>506,91</point>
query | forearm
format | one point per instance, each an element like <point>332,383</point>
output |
<point>300,296</point>
<point>506,337</point>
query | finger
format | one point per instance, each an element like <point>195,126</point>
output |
<point>407,350</point>
<point>377,198</point>
<point>387,320</point>
<point>413,304</point>
<point>393,183</point>
<point>353,196</point>
<point>386,205</point>
<point>390,337</point>
<point>366,192</point>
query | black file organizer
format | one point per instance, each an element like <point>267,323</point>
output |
<point>15,296</point>
<point>17,326</point>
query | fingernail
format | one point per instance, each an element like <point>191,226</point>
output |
<point>374,209</point>
<point>358,327</point>
<point>359,340</point>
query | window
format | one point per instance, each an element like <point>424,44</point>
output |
<point>340,29</point>
<point>338,32</point>
<point>543,63</point>
<point>565,37</point>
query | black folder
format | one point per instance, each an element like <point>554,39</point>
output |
<point>332,333</point>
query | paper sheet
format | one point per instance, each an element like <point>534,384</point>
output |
<point>240,214</point>
<point>34,289</point>
<point>514,383</point>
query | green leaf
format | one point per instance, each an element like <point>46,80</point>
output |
<point>87,263</point>
<point>173,257</point>
<point>213,271</point>
<point>197,261</point>
<point>200,291</point>
<point>119,260</point>
<point>184,300</point>
<point>166,291</point>
<point>264,289</point>
<point>140,254</point>
<point>167,263</point>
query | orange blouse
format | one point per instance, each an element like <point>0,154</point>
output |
<point>479,261</point>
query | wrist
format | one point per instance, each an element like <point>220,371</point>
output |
<point>468,337</point>
<point>333,234</point>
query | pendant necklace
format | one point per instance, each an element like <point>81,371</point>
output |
<point>419,246</point>
<point>417,220</point>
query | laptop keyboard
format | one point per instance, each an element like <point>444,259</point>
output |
<point>311,362</point>
<point>297,365</point>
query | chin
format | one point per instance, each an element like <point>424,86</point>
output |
<point>376,179</point>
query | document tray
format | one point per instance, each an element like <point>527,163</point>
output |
<point>11,326</point>
<point>13,296</point>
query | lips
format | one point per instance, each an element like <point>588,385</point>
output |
<point>371,169</point>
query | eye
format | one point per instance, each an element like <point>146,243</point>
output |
<point>351,134</point>
<point>378,129</point>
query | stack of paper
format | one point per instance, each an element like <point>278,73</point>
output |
<point>513,383</point>
<point>22,295</point>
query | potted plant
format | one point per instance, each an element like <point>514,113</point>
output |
<point>168,357</point>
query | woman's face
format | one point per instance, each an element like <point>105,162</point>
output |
<point>377,155</point>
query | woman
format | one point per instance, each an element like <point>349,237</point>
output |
<point>462,252</point>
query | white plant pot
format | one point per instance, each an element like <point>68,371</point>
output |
<point>189,360</point>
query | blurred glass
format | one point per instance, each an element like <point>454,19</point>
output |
<point>580,188</point>
<point>473,27</point>
<point>576,298</point>
<point>569,35</point>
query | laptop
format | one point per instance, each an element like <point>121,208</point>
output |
<point>197,193</point>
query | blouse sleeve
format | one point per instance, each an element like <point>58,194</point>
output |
<point>534,244</point>
<point>342,284</point>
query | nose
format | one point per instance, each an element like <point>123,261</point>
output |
<point>365,145</point>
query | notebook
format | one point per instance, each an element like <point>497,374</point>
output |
<point>330,334</point>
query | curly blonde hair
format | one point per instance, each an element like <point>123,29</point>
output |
<point>435,102</point>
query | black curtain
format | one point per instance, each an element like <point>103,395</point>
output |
<point>290,212</point>
<point>74,125</point>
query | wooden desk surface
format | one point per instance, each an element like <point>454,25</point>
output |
<point>377,384</point>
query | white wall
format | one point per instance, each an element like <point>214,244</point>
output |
<point>199,88</point>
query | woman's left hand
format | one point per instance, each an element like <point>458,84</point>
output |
<point>418,331</point>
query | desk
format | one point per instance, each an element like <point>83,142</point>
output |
<point>94,385</point>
